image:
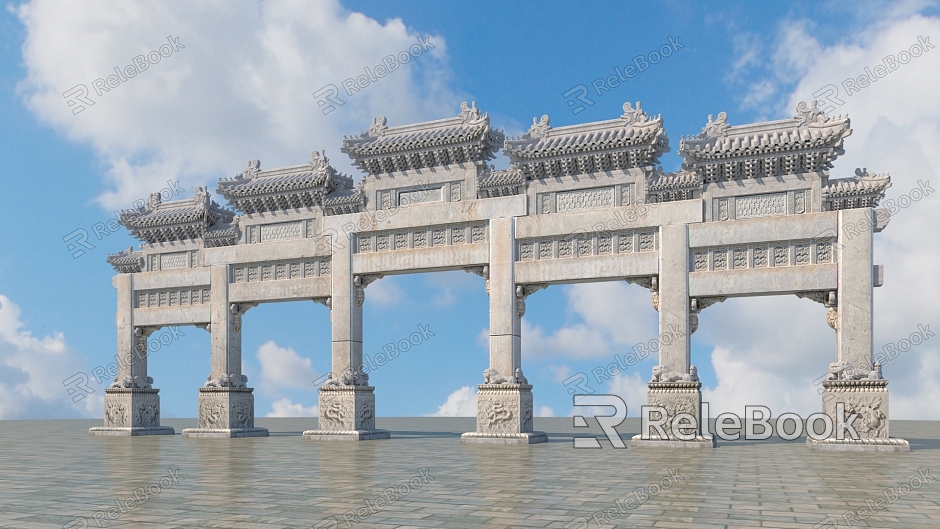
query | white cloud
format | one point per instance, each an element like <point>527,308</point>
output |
<point>461,403</point>
<point>241,88</point>
<point>32,371</point>
<point>283,368</point>
<point>632,389</point>
<point>285,408</point>
<point>544,411</point>
<point>385,292</point>
<point>613,314</point>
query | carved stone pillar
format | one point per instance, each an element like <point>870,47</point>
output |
<point>131,404</point>
<point>504,400</point>
<point>854,383</point>
<point>347,401</point>
<point>674,388</point>
<point>226,405</point>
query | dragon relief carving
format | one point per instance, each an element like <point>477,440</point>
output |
<point>366,416</point>
<point>147,414</point>
<point>213,414</point>
<point>335,415</point>
<point>871,422</point>
<point>497,416</point>
<point>674,405</point>
<point>115,414</point>
<point>243,413</point>
<point>526,416</point>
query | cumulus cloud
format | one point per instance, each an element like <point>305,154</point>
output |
<point>34,369</point>
<point>768,351</point>
<point>385,292</point>
<point>611,314</point>
<point>285,408</point>
<point>241,86</point>
<point>283,368</point>
<point>461,403</point>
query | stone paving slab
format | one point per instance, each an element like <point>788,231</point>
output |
<point>52,473</point>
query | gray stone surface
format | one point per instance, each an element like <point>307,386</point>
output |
<point>53,472</point>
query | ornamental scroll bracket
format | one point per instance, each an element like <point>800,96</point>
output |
<point>697,305</point>
<point>524,291</point>
<point>361,282</point>
<point>482,271</point>
<point>830,300</point>
<point>650,282</point>
<point>238,310</point>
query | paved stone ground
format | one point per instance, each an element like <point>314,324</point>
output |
<point>54,473</point>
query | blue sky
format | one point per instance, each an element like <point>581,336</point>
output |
<point>242,89</point>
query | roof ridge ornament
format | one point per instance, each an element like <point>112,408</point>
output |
<point>715,128</point>
<point>318,160</point>
<point>470,113</point>
<point>153,202</point>
<point>539,129</point>
<point>377,129</point>
<point>633,116</point>
<point>254,167</point>
<point>809,115</point>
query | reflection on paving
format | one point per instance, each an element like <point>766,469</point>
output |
<point>53,472</point>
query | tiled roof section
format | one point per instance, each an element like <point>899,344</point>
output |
<point>177,220</point>
<point>667,187</point>
<point>344,201</point>
<point>633,140</point>
<point>492,183</point>
<point>807,142</point>
<point>127,262</point>
<point>465,138</point>
<point>222,235</point>
<point>861,191</point>
<point>302,186</point>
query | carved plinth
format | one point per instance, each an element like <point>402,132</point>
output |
<point>676,398</point>
<point>226,412</point>
<point>504,416</point>
<point>346,413</point>
<point>131,412</point>
<point>867,398</point>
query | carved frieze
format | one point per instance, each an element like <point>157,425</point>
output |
<point>587,245</point>
<point>761,255</point>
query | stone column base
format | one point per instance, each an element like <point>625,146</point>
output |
<point>131,412</point>
<point>226,413</point>
<point>860,445</point>
<point>677,398</point>
<point>504,416</point>
<point>347,413</point>
<point>867,398</point>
